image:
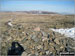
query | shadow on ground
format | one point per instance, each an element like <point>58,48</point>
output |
<point>15,49</point>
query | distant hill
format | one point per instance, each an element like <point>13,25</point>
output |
<point>38,12</point>
<point>35,12</point>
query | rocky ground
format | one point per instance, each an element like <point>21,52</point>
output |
<point>36,38</point>
<point>36,41</point>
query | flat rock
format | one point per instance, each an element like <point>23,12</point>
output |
<point>37,29</point>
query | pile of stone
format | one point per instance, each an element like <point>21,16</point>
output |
<point>37,41</point>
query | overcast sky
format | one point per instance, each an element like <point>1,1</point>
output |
<point>24,5</point>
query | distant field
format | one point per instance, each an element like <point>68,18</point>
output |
<point>49,20</point>
<point>41,20</point>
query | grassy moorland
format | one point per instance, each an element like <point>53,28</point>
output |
<point>48,20</point>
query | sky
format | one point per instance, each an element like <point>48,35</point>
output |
<point>65,6</point>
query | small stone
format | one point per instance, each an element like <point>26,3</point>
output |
<point>41,53</point>
<point>61,47</point>
<point>57,41</point>
<point>44,39</point>
<point>39,47</point>
<point>43,33</point>
<point>24,54</point>
<point>35,38</point>
<point>47,52</point>
<point>33,52</point>
<point>46,46</point>
<point>31,46</point>
<point>51,54</point>
<point>37,29</point>
<point>25,47</point>
<point>9,24</point>
<point>29,54</point>
<point>36,53</point>
<point>9,38</point>
<point>23,32</point>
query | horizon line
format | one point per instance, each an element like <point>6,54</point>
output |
<point>40,10</point>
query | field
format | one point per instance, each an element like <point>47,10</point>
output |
<point>32,30</point>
